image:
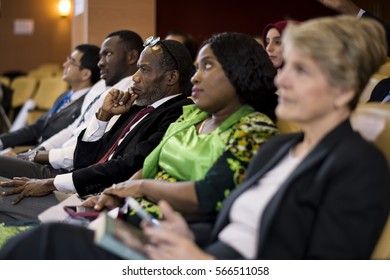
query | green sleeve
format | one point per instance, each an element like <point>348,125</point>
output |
<point>229,170</point>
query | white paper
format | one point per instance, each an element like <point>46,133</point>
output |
<point>57,213</point>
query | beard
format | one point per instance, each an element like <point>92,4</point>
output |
<point>148,98</point>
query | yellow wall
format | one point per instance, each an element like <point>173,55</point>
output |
<point>102,17</point>
<point>50,41</point>
<point>54,37</point>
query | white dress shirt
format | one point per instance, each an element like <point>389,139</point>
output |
<point>246,212</point>
<point>57,140</point>
<point>77,94</point>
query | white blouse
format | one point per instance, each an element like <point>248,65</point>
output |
<point>246,212</point>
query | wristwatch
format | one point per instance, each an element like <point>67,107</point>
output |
<point>32,156</point>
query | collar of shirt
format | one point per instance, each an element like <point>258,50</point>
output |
<point>79,93</point>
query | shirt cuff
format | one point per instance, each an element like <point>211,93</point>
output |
<point>95,130</point>
<point>64,183</point>
<point>62,158</point>
<point>360,13</point>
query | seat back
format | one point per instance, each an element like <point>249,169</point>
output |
<point>50,65</point>
<point>385,69</point>
<point>48,91</point>
<point>40,74</point>
<point>382,248</point>
<point>5,81</point>
<point>24,88</point>
<point>372,120</point>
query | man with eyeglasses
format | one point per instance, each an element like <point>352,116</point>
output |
<point>81,73</point>
<point>104,158</point>
<point>117,62</point>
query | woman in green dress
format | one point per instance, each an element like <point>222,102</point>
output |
<point>204,155</point>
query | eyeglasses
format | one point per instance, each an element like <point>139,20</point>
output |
<point>152,41</point>
<point>72,61</point>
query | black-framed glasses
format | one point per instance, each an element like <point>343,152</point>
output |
<point>152,41</point>
<point>72,61</point>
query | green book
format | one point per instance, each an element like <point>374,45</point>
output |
<point>120,238</point>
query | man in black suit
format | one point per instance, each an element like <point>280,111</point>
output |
<point>164,71</point>
<point>80,72</point>
<point>350,8</point>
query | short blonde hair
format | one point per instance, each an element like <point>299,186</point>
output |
<point>348,49</point>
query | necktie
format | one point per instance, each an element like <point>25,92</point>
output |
<point>88,108</point>
<point>136,118</point>
<point>61,104</point>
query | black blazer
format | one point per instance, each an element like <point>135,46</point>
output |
<point>130,154</point>
<point>380,91</point>
<point>45,126</point>
<point>333,206</point>
<point>386,26</point>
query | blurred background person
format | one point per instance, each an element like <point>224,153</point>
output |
<point>348,7</point>
<point>81,73</point>
<point>272,36</point>
<point>186,39</point>
<point>191,45</point>
<point>259,39</point>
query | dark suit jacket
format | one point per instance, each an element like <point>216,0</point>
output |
<point>130,154</point>
<point>333,206</point>
<point>380,91</point>
<point>45,126</point>
<point>6,99</point>
<point>386,27</point>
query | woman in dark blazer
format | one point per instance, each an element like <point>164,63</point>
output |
<point>323,193</point>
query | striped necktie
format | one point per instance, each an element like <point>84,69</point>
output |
<point>136,118</point>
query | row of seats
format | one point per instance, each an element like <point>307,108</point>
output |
<point>5,80</point>
<point>42,92</point>
<point>28,85</point>
<point>46,70</point>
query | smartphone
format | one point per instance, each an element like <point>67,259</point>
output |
<point>141,212</point>
<point>82,212</point>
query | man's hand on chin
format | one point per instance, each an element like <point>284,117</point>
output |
<point>26,187</point>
